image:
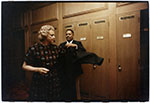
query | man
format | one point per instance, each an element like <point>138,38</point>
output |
<point>75,56</point>
<point>72,70</point>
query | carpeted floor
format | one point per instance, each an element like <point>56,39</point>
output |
<point>17,92</point>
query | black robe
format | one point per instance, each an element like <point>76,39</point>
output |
<point>72,66</point>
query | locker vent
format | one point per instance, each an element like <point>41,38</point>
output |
<point>83,24</point>
<point>127,17</point>
<point>68,26</point>
<point>99,21</point>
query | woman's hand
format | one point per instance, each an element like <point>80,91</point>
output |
<point>42,70</point>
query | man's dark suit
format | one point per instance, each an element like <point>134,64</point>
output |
<point>71,70</point>
<point>73,59</point>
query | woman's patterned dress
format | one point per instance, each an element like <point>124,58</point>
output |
<point>45,87</point>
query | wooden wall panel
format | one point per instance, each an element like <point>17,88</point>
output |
<point>112,52</point>
<point>25,21</point>
<point>83,34</point>
<point>132,7</point>
<point>122,3</point>
<point>83,29</point>
<point>73,9</point>
<point>45,13</point>
<point>100,76</point>
<point>128,54</point>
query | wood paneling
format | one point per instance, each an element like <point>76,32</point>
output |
<point>83,29</point>
<point>45,13</point>
<point>25,22</point>
<point>83,34</point>
<point>122,3</point>
<point>79,8</point>
<point>60,23</point>
<point>131,8</point>
<point>112,52</point>
<point>128,55</point>
<point>100,76</point>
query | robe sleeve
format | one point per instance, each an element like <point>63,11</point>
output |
<point>88,58</point>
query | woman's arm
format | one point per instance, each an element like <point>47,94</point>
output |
<point>41,70</point>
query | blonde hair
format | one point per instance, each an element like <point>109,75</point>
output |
<point>43,32</point>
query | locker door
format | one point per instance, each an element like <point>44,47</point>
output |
<point>100,79</point>
<point>128,55</point>
<point>84,35</point>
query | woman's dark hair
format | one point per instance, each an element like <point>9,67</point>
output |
<point>70,30</point>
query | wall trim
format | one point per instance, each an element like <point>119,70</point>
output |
<point>41,22</point>
<point>85,12</point>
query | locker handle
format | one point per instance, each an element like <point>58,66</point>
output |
<point>119,67</point>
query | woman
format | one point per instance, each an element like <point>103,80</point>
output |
<point>42,59</point>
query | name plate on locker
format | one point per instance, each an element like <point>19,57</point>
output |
<point>83,39</point>
<point>128,35</point>
<point>100,37</point>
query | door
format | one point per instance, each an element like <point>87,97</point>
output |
<point>100,76</point>
<point>128,55</point>
<point>83,34</point>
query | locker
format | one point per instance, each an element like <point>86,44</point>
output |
<point>128,53</point>
<point>100,76</point>
<point>84,35</point>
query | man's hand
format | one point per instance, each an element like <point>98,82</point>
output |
<point>71,45</point>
